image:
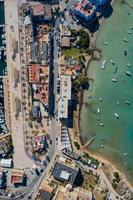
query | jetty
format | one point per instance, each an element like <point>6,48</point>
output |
<point>87,143</point>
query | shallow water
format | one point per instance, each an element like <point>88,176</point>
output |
<point>117,134</point>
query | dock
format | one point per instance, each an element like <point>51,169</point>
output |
<point>88,143</point>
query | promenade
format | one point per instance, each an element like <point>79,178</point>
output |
<point>21,160</point>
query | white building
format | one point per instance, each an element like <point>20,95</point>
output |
<point>6,163</point>
<point>65,96</point>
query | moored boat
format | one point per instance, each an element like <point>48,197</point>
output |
<point>98,110</point>
<point>128,73</point>
<point>114,80</point>
<point>103,64</point>
<point>101,124</point>
<point>116,115</point>
<point>127,102</point>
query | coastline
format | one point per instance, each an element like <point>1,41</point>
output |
<point>81,140</point>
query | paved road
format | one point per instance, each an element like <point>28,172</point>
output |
<point>21,160</point>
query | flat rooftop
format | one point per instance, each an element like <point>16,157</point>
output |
<point>65,96</point>
<point>64,173</point>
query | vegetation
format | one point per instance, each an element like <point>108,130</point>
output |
<point>73,52</point>
<point>81,81</point>
<point>74,32</point>
<point>116,180</point>
<point>93,160</point>
<point>77,145</point>
<point>117,177</point>
<point>84,40</point>
<point>114,185</point>
<point>90,180</point>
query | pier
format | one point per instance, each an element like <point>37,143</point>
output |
<point>88,143</point>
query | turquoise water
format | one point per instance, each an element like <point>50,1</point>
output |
<point>116,136</point>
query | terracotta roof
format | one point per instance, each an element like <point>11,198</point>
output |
<point>17,176</point>
<point>38,9</point>
<point>33,73</point>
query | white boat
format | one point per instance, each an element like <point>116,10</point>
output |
<point>125,154</point>
<point>112,61</point>
<point>106,43</point>
<point>116,115</point>
<point>127,102</point>
<point>103,64</point>
<point>114,80</point>
<point>101,124</point>
<point>98,110</point>
<point>100,99</point>
<point>125,40</point>
<point>117,102</point>
<point>128,73</point>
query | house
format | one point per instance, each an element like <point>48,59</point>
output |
<point>42,10</point>
<point>46,191</point>
<point>39,142</point>
<point>17,176</point>
<point>33,73</point>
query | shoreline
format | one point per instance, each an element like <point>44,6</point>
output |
<point>81,139</point>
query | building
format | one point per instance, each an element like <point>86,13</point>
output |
<point>39,143</point>
<point>33,73</point>
<point>6,163</point>
<point>42,10</point>
<point>65,96</point>
<point>46,192</point>
<point>41,93</point>
<point>17,176</point>
<point>89,9</point>
<point>84,9</point>
<point>71,154</point>
<point>38,10</point>
<point>65,139</point>
<point>65,174</point>
<point>65,42</point>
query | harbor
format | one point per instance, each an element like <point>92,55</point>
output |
<point>3,65</point>
<point>108,113</point>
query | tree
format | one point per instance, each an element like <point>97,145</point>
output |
<point>84,40</point>
<point>77,145</point>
